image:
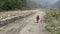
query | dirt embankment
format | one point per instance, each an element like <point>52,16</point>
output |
<point>4,15</point>
<point>9,17</point>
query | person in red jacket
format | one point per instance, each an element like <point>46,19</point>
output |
<point>37,18</point>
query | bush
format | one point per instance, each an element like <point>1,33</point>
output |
<point>12,4</point>
<point>52,19</point>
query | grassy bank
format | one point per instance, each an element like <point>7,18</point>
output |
<point>52,19</point>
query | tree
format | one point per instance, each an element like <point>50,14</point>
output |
<point>12,4</point>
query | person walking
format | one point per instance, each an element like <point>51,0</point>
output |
<point>37,18</point>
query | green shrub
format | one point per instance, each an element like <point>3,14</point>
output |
<point>52,19</point>
<point>12,4</point>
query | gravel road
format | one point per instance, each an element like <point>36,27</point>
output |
<point>26,25</point>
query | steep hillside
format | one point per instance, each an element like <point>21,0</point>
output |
<point>12,4</point>
<point>57,5</point>
<point>45,3</point>
<point>32,4</point>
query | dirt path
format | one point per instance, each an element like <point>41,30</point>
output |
<point>26,25</point>
<point>33,27</point>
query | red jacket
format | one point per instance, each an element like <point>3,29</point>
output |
<point>37,18</point>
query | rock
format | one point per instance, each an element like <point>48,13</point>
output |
<point>58,28</point>
<point>1,17</point>
<point>51,29</point>
<point>8,15</point>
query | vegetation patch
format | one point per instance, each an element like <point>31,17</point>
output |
<point>52,19</point>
